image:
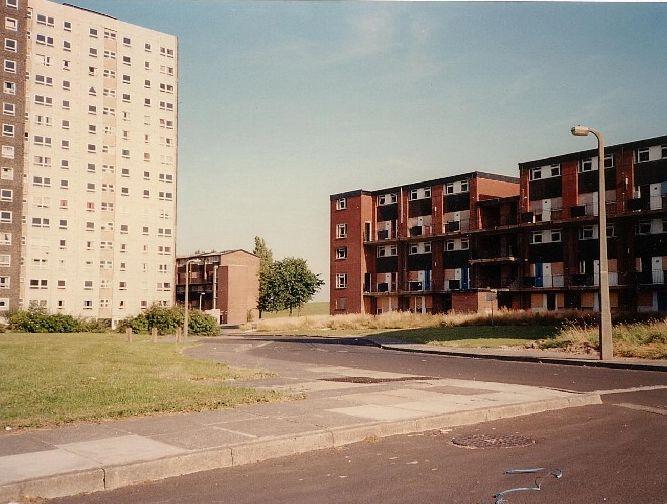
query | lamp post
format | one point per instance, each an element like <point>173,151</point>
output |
<point>187,297</point>
<point>606,344</point>
<point>201,294</point>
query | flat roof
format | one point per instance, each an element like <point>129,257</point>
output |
<point>89,10</point>
<point>593,152</point>
<point>215,253</point>
<point>428,183</point>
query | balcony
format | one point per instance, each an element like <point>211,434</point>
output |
<point>419,286</point>
<point>654,277</point>
<point>545,282</point>
<point>421,231</point>
<point>457,226</point>
<point>380,288</point>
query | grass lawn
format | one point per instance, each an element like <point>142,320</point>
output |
<point>472,336</point>
<point>50,379</point>
<point>313,308</point>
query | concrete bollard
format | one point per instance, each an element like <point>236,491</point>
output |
<point>154,334</point>
<point>128,333</point>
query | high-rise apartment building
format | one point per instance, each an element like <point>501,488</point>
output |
<point>475,241</point>
<point>89,161</point>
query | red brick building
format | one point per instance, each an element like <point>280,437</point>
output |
<point>227,281</point>
<point>477,240</point>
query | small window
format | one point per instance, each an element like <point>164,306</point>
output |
<point>465,244</point>
<point>341,204</point>
<point>341,253</point>
<point>663,152</point>
<point>643,155</point>
<point>536,237</point>
<point>341,231</point>
<point>413,194</point>
<point>555,170</point>
<point>67,25</point>
<point>93,32</point>
<point>587,233</point>
<point>449,188</point>
<point>127,41</point>
<point>643,227</point>
<point>341,281</point>
<point>585,165</point>
<point>555,235</point>
<point>609,161</point>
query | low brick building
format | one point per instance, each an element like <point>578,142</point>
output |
<point>227,281</point>
<point>474,241</point>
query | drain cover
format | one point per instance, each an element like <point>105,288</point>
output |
<point>368,379</point>
<point>496,441</point>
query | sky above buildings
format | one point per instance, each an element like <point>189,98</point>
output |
<point>284,103</point>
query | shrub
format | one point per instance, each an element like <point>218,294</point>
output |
<point>166,320</point>
<point>38,320</point>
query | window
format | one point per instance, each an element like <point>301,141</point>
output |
<point>341,204</point>
<point>413,194</point>
<point>5,260</point>
<point>5,238</point>
<point>611,231</point>
<point>642,155</point>
<point>67,25</point>
<point>341,253</point>
<point>14,4</point>
<point>11,24</point>
<point>585,165</point>
<point>8,130</point>
<point>341,231</point>
<point>6,195</point>
<point>126,79</point>
<point>65,124</point>
<point>8,151</point>
<point>9,88</point>
<point>465,244</point>
<point>41,222</point>
<point>147,47</point>
<point>555,235</point>
<point>609,161</point>
<point>643,227</point>
<point>587,233</point>
<point>147,102</point>
<point>126,98</point>
<point>9,109</point>
<point>10,45</point>
<point>66,85</point>
<point>64,144</point>
<point>536,237</point>
<point>554,170</point>
<point>62,224</point>
<point>44,20</point>
<point>6,217</point>
<point>10,66</point>
<point>93,32</point>
<point>7,173</point>
<point>427,248</point>
<point>127,61</point>
<point>341,281</point>
<point>67,45</point>
<point>44,40</point>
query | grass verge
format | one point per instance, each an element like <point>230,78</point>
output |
<point>647,341</point>
<point>51,379</point>
<point>473,336</point>
<point>309,309</point>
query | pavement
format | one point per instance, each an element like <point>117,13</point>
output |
<point>521,354</point>
<point>608,454</point>
<point>342,404</point>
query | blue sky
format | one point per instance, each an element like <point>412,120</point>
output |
<point>284,103</point>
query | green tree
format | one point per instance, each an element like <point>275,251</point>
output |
<point>291,284</point>
<point>265,255</point>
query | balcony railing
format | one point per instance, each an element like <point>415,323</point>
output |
<point>419,286</point>
<point>380,288</point>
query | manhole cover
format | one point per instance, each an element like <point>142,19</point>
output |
<point>368,379</point>
<point>496,441</point>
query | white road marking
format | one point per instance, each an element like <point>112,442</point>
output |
<point>641,407</point>
<point>631,389</point>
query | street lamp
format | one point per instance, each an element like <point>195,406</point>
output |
<point>606,345</point>
<point>187,296</point>
<point>201,294</point>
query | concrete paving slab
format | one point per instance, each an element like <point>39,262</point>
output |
<point>121,450</point>
<point>377,398</point>
<point>268,427</point>
<point>423,395</point>
<point>11,444</point>
<point>76,433</point>
<point>206,437</point>
<point>221,416</point>
<point>157,425</point>
<point>39,464</point>
<point>447,389</point>
<point>379,413</point>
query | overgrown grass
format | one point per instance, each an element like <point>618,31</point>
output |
<point>50,379</point>
<point>648,341</point>
<point>312,308</point>
<point>407,320</point>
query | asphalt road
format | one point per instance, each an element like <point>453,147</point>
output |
<point>611,453</point>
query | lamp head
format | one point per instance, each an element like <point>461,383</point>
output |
<point>580,130</point>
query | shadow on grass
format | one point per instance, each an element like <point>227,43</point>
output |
<point>472,335</point>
